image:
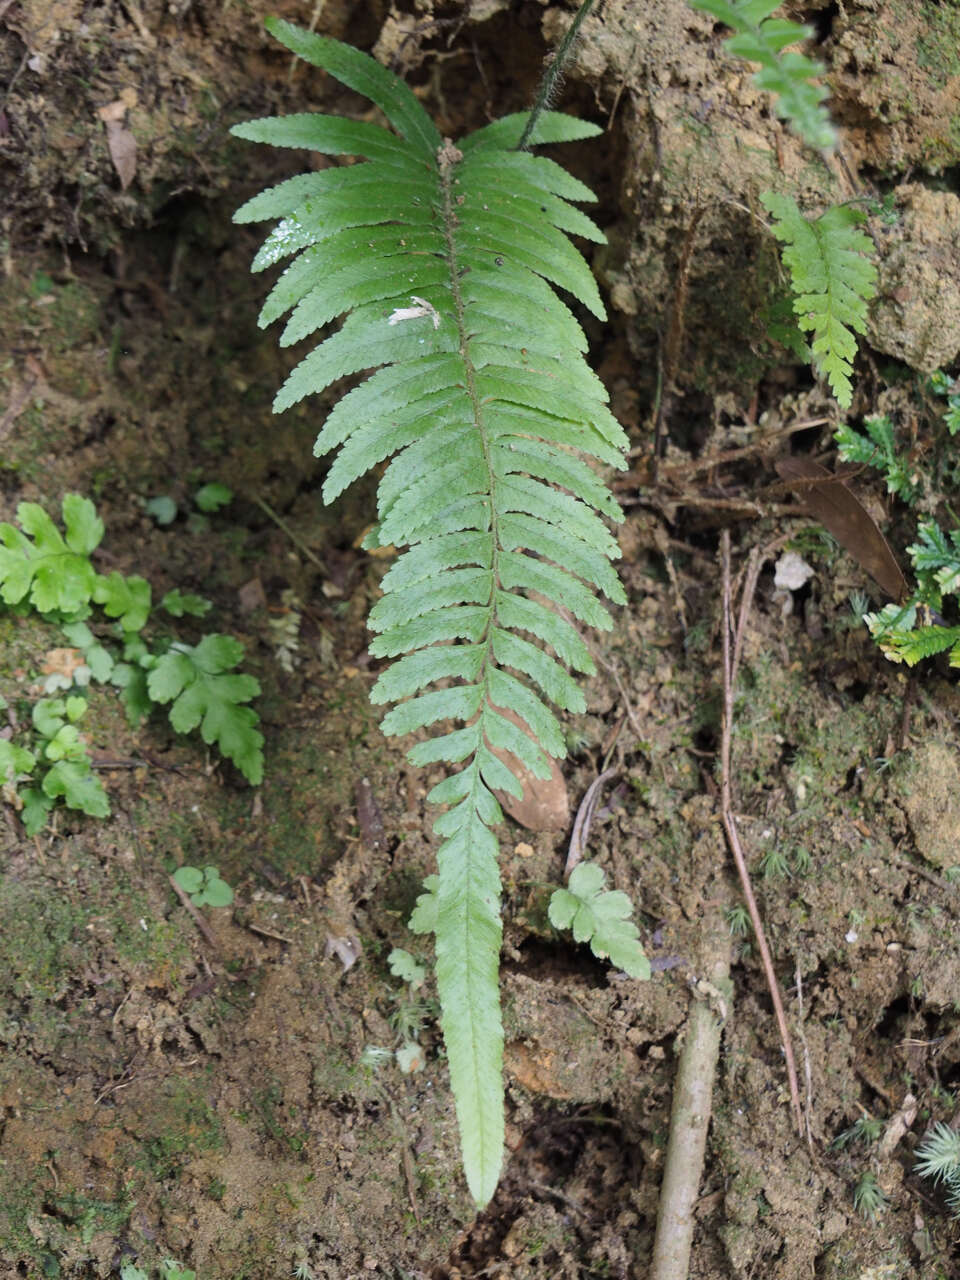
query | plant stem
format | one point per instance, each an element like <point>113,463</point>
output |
<point>297,541</point>
<point>731,662</point>
<point>552,74</point>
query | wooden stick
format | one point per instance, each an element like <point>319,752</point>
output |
<point>690,1112</point>
<point>198,919</point>
<point>730,660</point>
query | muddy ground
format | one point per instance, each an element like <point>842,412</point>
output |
<point>164,1093</point>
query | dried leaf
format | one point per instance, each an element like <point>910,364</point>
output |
<point>545,805</point>
<point>121,143</point>
<point>62,662</point>
<point>840,512</point>
<point>347,950</point>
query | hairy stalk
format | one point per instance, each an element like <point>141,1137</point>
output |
<point>551,77</point>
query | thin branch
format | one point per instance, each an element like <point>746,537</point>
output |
<point>584,820</point>
<point>198,919</point>
<point>730,657</point>
<point>692,1104</point>
<point>294,538</point>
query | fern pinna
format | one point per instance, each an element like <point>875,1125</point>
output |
<point>443,257</point>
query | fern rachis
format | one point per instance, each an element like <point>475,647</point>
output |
<point>446,258</point>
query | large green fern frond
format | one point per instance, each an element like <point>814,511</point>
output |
<point>832,277</point>
<point>444,260</point>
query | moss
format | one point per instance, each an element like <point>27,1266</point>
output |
<point>182,1124</point>
<point>938,47</point>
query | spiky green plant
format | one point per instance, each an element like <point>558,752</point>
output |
<point>938,1157</point>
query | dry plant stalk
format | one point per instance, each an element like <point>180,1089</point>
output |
<point>731,662</point>
<point>693,1090</point>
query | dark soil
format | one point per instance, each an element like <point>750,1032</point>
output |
<point>164,1097</point>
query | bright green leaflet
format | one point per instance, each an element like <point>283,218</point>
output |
<point>444,260</point>
<point>905,632</point>
<point>832,278</point>
<point>790,76</point>
<point>601,917</point>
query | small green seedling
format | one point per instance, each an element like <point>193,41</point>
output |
<point>865,1128</point>
<point>212,497</point>
<point>204,886</point>
<point>738,920</point>
<point>70,774</point>
<point>170,1269</point>
<point>178,603</point>
<point>878,448</point>
<point>869,1199</point>
<point>774,864</point>
<point>162,508</point>
<point>601,917</point>
<point>411,1011</point>
<point>406,968</point>
<point>941,384</point>
<point>915,630</point>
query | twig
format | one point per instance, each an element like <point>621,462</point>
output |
<point>690,1112</point>
<point>693,466</point>
<point>807,1072</point>
<point>584,819</point>
<point>198,919</point>
<point>612,670</point>
<point>669,356</point>
<point>267,933</point>
<point>551,76</point>
<point>294,538</point>
<point>730,659</point>
<point>18,402</point>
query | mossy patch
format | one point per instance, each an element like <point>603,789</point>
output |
<point>938,42</point>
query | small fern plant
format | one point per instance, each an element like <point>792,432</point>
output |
<point>445,259</point>
<point>832,277</point>
<point>916,629</point>
<point>829,258</point>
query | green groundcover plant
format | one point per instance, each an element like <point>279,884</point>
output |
<point>49,571</point>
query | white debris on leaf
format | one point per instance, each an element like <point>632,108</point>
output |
<point>423,308</point>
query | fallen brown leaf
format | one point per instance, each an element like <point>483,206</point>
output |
<point>121,143</point>
<point>61,662</point>
<point>545,805</point>
<point>842,513</point>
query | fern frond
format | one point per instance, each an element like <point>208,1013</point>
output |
<point>445,261</point>
<point>832,277</point>
<point>789,76</point>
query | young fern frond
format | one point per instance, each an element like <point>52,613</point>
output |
<point>832,278</point>
<point>790,76</point>
<point>445,259</point>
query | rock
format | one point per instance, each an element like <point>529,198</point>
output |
<point>916,316</point>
